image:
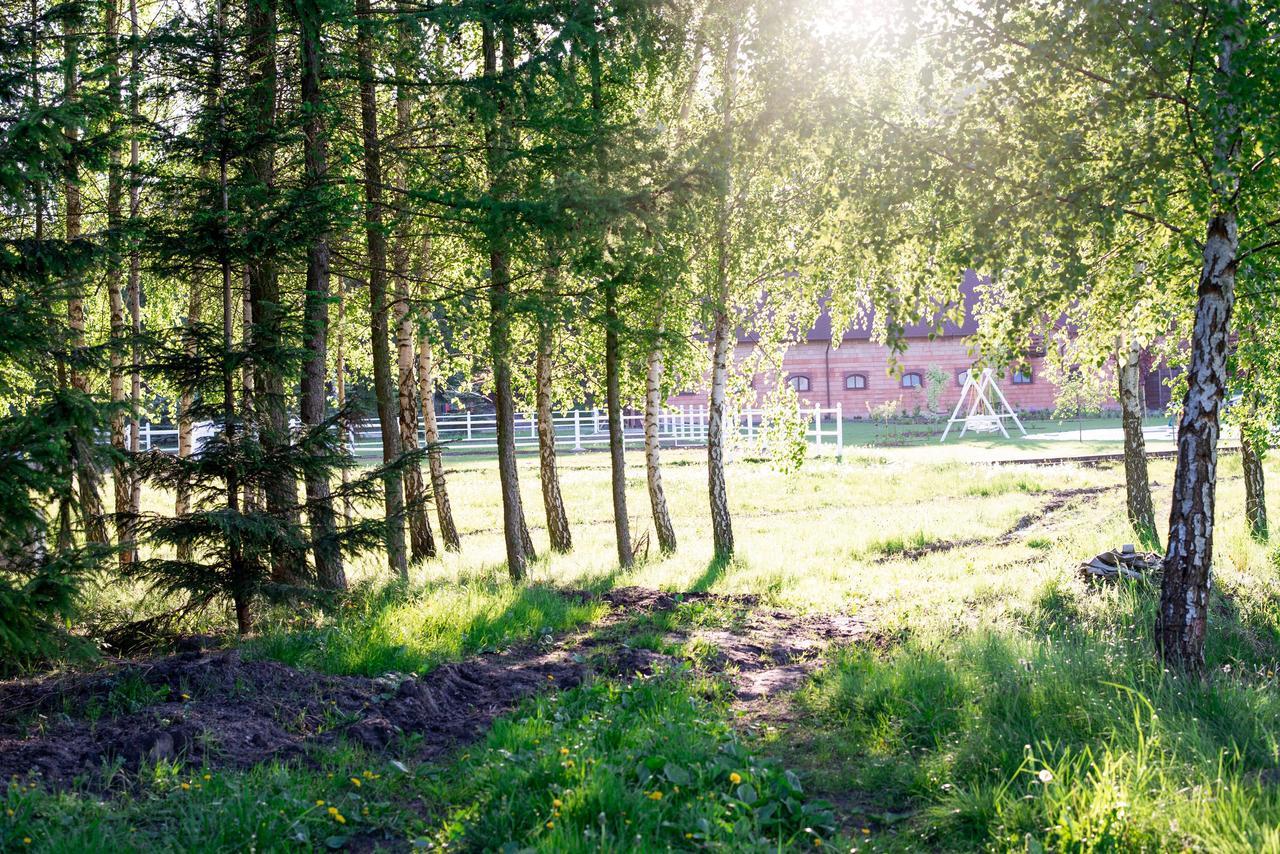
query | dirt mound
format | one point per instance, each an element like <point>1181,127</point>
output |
<point>218,709</point>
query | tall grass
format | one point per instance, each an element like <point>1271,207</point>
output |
<point>388,628</point>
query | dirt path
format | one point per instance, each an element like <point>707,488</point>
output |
<point>215,708</point>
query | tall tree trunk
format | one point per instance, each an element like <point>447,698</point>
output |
<point>421,541</point>
<point>1255,494</point>
<point>384,388</point>
<point>652,447</point>
<point>1137,488</point>
<point>281,491</point>
<point>328,558</point>
<point>135,263</point>
<point>240,578</point>
<point>340,386</point>
<point>115,292</point>
<point>617,450</point>
<point>248,389</point>
<point>431,432</point>
<point>514,528</point>
<point>1184,592</point>
<point>86,471</point>
<point>182,500</point>
<point>612,358</point>
<point>721,522</point>
<point>557,518</point>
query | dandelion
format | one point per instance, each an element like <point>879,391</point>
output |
<point>817,842</point>
<point>355,781</point>
<point>557,803</point>
<point>655,795</point>
<point>319,803</point>
<point>186,787</point>
<point>550,825</point>
<point>9,813</point>
<point>866,831</point>
<point>26,840</point>
<point>688,836</point>
<point>735,778</point>
<point>1045,775</point>
<point>186,696</point>
<point>208,776</point>
<point>564,751</point>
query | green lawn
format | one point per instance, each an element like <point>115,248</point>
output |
<point>998,704</point>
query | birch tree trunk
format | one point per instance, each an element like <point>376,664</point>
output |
<point>431,432</point>
<point>652,447</point>
<point>330,574</point>
<point>721,522</point>
<point>514,529</point>
<point>557,518</point>
<point>1137,486</point>
<point>384,387</point>
<point>1184,592</point>
<point>1255,494</point>
<point>421,541</point>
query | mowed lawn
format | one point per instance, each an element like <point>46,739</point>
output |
<point>996,703</point>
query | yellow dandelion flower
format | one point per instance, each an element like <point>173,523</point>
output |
<point>655,795</point>
<point>340,818</point>
<point>866,831</point>
<point>688,836</point>
<point>208,776</point>
<point>26,840</point>
<point>9,813</point>
<point>550,825</point>
<point>564,751</point>
<point>355,781</point>
<point>319,803</point>
<point>333,810</point>
<point>735,778</point>
<point>556,802</point>
<point>817,842</point>
<point>186,696</point>
<point>186,787</point>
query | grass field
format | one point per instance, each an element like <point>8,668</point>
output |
<point>996,703</point>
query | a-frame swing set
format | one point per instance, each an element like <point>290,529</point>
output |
<point>981,416</point>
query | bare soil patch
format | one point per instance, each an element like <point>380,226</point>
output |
<point>217,709</point>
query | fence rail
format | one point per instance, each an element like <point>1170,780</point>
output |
<point>575,429</point>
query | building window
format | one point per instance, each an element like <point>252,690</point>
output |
<point>961,377</point>
<point>912,380</point>
<point>1022,377</point>
<point>855,381</point>
<point>799,382</point>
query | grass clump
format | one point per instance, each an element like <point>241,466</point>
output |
<point>1077,742</point>
<point>645,765</point>
<point>387,629</point>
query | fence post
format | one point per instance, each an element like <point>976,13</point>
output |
<point>468,425</point>
<point>533,425</point>
<point>577,429</point>
<point>146,442</point>
<point>839,429</point>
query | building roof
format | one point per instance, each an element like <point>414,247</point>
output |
<point>821,330</point>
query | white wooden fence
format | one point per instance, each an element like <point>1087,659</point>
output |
<point>576,430</point>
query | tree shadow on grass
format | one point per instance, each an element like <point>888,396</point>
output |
<point>715,569</point>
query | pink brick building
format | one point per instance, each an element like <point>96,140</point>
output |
<point>855,373</point>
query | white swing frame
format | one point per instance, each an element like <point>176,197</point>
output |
<point>980,388</point>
